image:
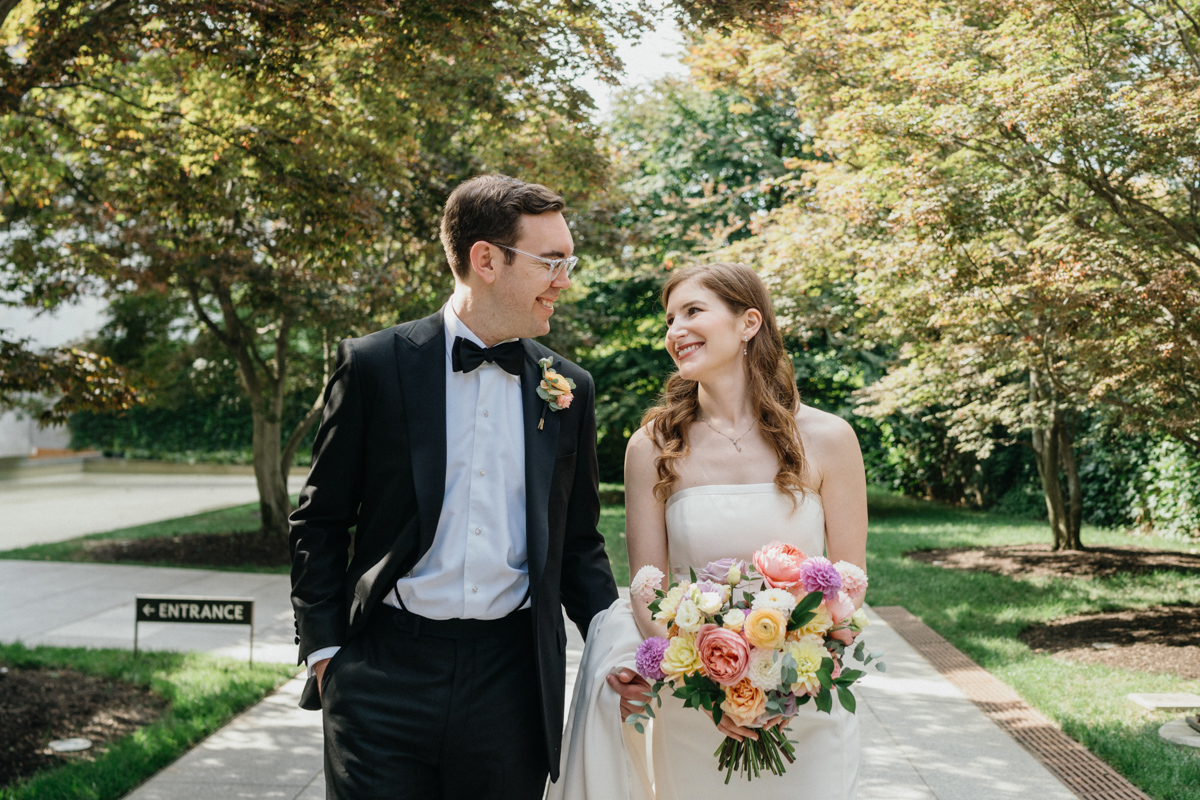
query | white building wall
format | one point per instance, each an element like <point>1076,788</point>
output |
<point>19,434</point>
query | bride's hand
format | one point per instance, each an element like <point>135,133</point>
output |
<point>632,688</point>
<point>734,731</point>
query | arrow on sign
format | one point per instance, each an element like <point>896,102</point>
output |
<point>148,610</point>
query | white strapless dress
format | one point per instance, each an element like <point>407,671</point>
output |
<point>705,523</point>
<point>605,760</point>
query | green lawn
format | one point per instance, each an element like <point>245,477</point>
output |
<point>204,693</point>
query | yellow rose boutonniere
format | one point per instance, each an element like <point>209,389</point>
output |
<point>555,389</point>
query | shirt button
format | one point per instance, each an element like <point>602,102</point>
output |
<point>482,472</point>
<point>474,588</point>
<point>478,531</point>
<point>485,413</point>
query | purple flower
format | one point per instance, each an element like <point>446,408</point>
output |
<point>648,661</point>
<point>718,571</point>
<point>706,585</point>
<point>818,575</point>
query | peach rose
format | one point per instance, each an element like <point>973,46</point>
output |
<point>564,400</point>
<point>766,628</point>
<point>744,702</point>
<point>779,564</point>
<point>724,653</point>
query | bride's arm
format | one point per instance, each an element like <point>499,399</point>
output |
<point>645,522</point>
<point>834,446</point>
<point>646,543</point>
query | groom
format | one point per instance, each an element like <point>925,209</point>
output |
<point>433,632</point>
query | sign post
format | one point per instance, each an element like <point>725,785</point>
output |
<point>204,610</point>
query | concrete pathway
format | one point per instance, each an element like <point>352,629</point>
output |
<point>91,605</point>
<point>922,739</point>
<point>52,508</point>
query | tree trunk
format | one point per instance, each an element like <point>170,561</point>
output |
<point>273,500</point>
<point>1066,454</point>
<point>1054,450</point>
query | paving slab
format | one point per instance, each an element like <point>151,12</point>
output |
<point>53,508</point>
<point>1165,701</point>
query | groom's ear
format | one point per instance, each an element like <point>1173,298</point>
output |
<point>482,261</point>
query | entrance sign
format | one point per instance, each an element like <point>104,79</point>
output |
<point>210,610</point>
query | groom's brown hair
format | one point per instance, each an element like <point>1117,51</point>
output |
<point>488,208</point>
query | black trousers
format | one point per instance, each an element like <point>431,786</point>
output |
<point>420,708</point>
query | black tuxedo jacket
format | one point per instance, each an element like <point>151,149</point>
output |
<point>379,466</point>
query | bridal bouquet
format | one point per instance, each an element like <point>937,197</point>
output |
<point>755,642</point>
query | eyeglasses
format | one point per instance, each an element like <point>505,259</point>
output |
<point>555,265</point>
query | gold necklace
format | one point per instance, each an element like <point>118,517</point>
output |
<point>727,436</point>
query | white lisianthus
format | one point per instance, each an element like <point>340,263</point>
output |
<point>648,579</point>
<point>710,603</point>
<point>734,619</point>
<point>779,599</point>
<point>766,667</point>
<point>669,604</point>
<point>859,620</point>
<point>688,616</point>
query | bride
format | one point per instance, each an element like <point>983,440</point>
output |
<point>728,461</point>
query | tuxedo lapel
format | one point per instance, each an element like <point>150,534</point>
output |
<point>421,361</point>
<point>540,448</point>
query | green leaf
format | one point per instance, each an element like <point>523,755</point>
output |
<point>847,698</point>
<point>824,677</point>
<point>824,700</point>
<point>637,726</point>
<point>692,572</point>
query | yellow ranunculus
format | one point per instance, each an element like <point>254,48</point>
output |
<point>681,657</point>
<point>766,627</point>
<point>819,624</point>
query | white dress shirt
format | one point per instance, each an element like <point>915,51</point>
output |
<point>477,566</point>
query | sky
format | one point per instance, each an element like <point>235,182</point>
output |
<point>656,54</point>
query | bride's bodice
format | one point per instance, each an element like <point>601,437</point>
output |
<point>705,523</point>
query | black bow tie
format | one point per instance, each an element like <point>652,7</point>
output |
<point>466,355</point>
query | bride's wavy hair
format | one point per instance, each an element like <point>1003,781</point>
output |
<point>771,383</point>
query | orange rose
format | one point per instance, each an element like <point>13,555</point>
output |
<point>552,381</point>
<point>744,702</point>
<point>766,628</point>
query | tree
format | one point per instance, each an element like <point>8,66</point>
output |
<point>1018,185</point>
<point>279,166</point>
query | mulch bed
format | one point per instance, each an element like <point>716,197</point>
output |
<point>1029,560</point>
<point>1156,639</point>
<point>41,705</point>
<point>195,550</point>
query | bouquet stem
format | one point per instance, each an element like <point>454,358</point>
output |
<point>751,756</point>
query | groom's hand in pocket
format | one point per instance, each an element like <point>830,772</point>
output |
<point>632,688</point>
<point>319,672</point>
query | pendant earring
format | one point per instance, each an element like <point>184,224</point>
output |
<point>744,340</point>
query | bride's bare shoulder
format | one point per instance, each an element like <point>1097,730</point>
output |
<point>642,444</point>
<point>823,430</point>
